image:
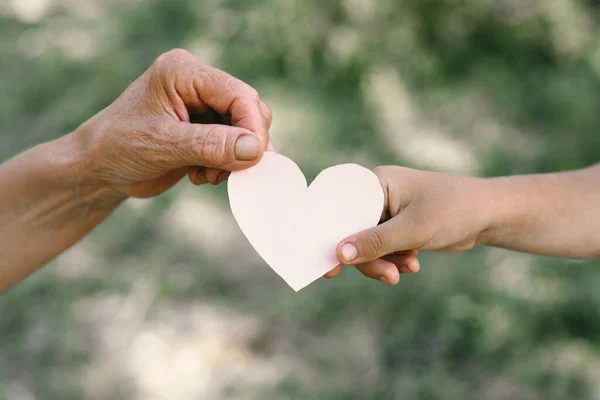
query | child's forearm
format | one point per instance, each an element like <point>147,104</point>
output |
<point>552,214</point>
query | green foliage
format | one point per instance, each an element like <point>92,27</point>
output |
<point>481,325</point>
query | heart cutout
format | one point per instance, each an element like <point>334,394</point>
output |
<point>296,228</point>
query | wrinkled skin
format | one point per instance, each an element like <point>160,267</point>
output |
<point>181,117</point>
<point>143,143</point>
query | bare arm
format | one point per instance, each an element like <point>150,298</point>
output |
<point>46,206</point>
<point>139,146</point>
<point>548,214</point>
<point>552,214</point>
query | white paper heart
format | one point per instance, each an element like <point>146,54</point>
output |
<point>296,229</point>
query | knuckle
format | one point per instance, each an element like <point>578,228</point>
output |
<point>387,175</point>
<point>157,143</point>
<point>236,86</point>
<point>253,93</point>
<point>380,171</point>
<point>210,145</point>
<point>198,139</point>
<point>387,172</point>
<point>177,55</point>
<point>397,187</point>
<point>174,56</point>
<point>241,87</point>
<point>372,243</point>
<point>245,90</point>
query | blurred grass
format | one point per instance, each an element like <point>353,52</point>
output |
<point>513,84</point>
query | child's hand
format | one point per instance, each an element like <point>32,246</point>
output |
<point>387,269</point>
<point>423,211</point>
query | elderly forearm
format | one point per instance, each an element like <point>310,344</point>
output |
<point>46,206</point>
<point>551,214</point>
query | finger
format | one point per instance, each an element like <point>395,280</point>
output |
<point>218,172</point>
<point>194,84</point>
<point>197,175</point>
<point>406,262</point>
<point>228,95</point>
<point>267,114</point>
<point>223,177</point>
<point>380,270</point>
<point>413,266</point>
<point>219,146</point>
<point>213,174</point>
<point>334,272</point>
<point>376,242</point>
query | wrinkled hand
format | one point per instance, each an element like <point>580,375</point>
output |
<point>172,121</point>
<point>423,211</point>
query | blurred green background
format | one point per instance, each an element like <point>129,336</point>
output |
<point>166,300</point>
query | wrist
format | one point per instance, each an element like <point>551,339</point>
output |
<point>475,208</point>
<point>71,156</point>
<point>505,214</point>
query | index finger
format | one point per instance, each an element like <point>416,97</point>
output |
<point>193,84</point>
<point>229,95</point>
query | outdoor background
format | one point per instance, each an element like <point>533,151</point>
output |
<point>166,300</point>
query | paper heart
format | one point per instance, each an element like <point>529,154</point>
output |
<point>296,229</point>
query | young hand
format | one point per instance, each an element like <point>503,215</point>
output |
<point>423,211</point>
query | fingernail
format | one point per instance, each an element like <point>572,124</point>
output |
<point>349,252</point>
<point>247,148</point>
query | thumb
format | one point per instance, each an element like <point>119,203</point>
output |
<point>374,243</point>
<point>220,146</point>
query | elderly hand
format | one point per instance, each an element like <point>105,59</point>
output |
<point>171,122</point>
<point>180,117</point>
